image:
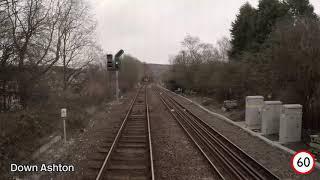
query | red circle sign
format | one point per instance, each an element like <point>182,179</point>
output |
<point>303,162</point>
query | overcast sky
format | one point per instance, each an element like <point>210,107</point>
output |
<point>152,30</point>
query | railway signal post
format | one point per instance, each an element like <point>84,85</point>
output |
<point>114,65</point>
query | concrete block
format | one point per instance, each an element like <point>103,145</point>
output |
<point>270,117</point>
<point>290,123</point>
<point>254,105</point>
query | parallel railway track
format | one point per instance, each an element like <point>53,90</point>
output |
<point>227,160</point>
<point>130,155</point>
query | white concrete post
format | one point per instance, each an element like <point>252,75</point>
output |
<point>64,116</point>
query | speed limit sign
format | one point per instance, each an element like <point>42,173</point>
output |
<point>303,162</point>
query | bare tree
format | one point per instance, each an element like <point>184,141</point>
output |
<point>224,47</point>
<point>28,22</point>
<point>6,41</point>
<point>35,35</point>
<point>78,48</point>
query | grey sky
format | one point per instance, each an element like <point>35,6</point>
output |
<point>152,30</point>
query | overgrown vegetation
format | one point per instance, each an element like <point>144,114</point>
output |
<point>274,51</point>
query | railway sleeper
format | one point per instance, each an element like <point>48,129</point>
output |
<point>128,174</point>
<point>132,145</point>
<point>128,140</point>
<point>131,150</point>
<point>131,125</point>
<point>131,156</point>
<point>123,165</point>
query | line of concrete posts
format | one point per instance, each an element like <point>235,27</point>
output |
<point>273,117</point>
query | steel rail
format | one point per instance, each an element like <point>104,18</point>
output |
<point>117,137</point>
<point>232,145</point>
<point>196,143</point>
<point>200,128</point>
<point>246,167</point>
<point>211,142</point>
<point>205,140</point>
<point>209,147</point>
<point>149,136</point>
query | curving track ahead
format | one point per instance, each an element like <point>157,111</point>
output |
<point>227,160</point>
<point>130,155</point>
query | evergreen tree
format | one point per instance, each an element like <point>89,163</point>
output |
<point>300,8</point>
<point>243,31</point>
<point>268,14</point>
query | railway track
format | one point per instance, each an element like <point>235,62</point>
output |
<point>130,155</point>
<point>227,160</point>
